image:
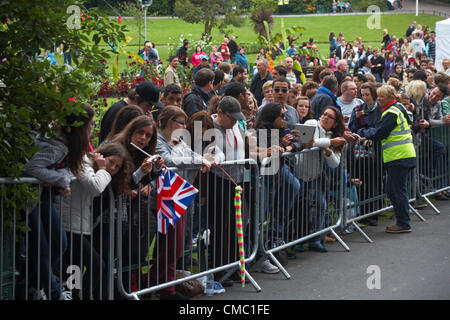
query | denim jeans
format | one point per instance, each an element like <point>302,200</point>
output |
<point>199,222</point>
<point>278,199</point>
<point>378,77</point>
<point>313,190</point>
<point>47,244</point>
<point>438,151</point>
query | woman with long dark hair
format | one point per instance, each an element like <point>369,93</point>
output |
<point>123,117</point>
<point>54,164</point>
<point>333,43</point>
<point>139,225</point>
<point>279,182</point>
<point>328,138</point>
<point>107,164</point>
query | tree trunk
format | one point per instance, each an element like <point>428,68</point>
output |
<point>208,26</point>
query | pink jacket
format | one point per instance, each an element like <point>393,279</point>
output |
<point>332,64</point>
<point>213,58</point>
<point>195,59</point>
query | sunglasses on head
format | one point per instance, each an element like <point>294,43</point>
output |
<point>284,90</point>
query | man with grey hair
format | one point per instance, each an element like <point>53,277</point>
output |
<point>259,79</point>
<point>342,68</point>
<point>348,100</point>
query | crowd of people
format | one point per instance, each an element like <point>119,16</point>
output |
<point>341,6</point>
<point>391,89</point>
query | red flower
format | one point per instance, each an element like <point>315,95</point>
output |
<point>72,99</point>
<point>119,19</point>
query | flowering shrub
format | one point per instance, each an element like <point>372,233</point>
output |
<point>137,71</point>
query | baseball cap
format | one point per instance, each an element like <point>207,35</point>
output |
<point>149,92</point>
<point>231,106</point>
<point>204,56</point>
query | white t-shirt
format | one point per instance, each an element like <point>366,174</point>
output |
<point>292,78</point>
<point>418,46</point>
<point>347,108</point>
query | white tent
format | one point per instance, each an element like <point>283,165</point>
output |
<point>442,42</point>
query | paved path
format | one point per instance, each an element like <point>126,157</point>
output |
<point>412,266</point>
<point>427,6</point>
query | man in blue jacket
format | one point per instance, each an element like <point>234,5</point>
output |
<point>241,59</point>
<point>325,96</point>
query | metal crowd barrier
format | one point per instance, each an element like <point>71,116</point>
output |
<point>430,176</point>
<point>300,202</point>
<point>47,258</point>
<point>204,240</point>
<point>433,163</point>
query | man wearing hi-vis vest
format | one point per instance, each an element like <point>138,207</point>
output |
<point>399,155</point>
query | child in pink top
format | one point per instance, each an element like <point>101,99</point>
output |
<point>332,62</point>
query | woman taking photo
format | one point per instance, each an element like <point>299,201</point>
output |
<point>138,225</point>
<point>328,138</point>
<point>364,119</point>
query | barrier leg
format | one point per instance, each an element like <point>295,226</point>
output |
<point>431,205</point>
<point>362,232</point>
<point>252,281</point>
<point>416,213</point>
<point>282,269</point>
<point>346,247</point>
<point>247,275</point>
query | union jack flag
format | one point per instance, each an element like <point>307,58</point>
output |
<point>174,196</point>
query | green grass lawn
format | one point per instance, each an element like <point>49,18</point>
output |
<point>168,31</point>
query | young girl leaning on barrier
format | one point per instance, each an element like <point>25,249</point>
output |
<point>54,164</point>
<point>107,164</point>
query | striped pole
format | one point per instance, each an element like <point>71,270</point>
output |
<point>238,206</point>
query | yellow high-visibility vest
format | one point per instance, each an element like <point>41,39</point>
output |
<point>399,144</point>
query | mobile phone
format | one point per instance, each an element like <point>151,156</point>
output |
<point>154,158</point>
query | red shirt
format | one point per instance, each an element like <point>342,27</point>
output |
<point>225,51</point>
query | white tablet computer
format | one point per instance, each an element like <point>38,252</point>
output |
<point>306,132</point>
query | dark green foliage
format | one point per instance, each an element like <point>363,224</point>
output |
<point>36,93</point>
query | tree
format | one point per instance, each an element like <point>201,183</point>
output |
<point>255,5</point>
<point>36,93</point>
<point>263,21</point>
<point>134,9</point>
<point>207,12</point>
